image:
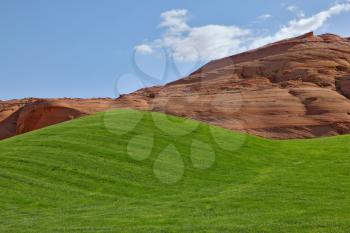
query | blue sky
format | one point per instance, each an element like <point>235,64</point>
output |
<point>90,48</point>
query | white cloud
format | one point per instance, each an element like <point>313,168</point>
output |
<point>204,43</point>
<point>144,49</point>
<point>175,20</point>
<point>187,43</point>
<point>264,17</point>
<point>295,10</point>
<point>303,25</point>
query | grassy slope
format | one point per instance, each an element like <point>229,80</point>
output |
<point>78,177</point>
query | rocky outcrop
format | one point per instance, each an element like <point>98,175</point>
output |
<point>21,116</point>
<point>296,88</point>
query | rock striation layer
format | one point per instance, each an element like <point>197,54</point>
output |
<point>295,88</point>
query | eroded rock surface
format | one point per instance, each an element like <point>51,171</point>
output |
<point>21,116</point>
<point>295,88</point>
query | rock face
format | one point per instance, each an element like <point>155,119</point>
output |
<point>21,116</point>
<point>295,88</point>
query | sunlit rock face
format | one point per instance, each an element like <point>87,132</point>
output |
<point>295,88</point>
<point>24,115</point>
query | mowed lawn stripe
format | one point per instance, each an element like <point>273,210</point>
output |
<point>79,176</point>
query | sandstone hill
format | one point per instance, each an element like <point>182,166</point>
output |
<point>295,88</point>
<point>21,116</point>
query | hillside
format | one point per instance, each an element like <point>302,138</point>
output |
<point>295,88</point>
<point>95,174</point>
<point>24,115</point>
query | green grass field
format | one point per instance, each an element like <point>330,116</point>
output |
<point>128,171</point>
